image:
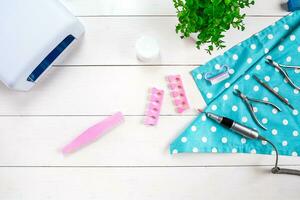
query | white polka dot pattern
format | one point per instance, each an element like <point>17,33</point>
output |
<point>224,140</point>
<point>253,151</point>
<point>213,129</point>
<point>244,119</point>
<point>234,108</point>
<point>286,27</point>
<point>281,47</point>
<point>255,109</point>
<point>270,36</point>
<point>296,91</point>
<point>266,50</point>
<point>214,150</point>
<point>184,139</point>
<point>284,143</point>
<point>227,85</point>
<point>217,66</point>
<point>234,150</point>
<point>225,97</point>
<point>292,37</point>
<point>175,151</point>
<point>243,140</point>
<point>267,78</point>
<point>214,107</point>
<point>295,112</point>
<point>282,126</point>
<point>274,111</point>
<point>209,95</point>
<point>295,133</point>
<point>199,76</point>
<point>235,57</point>
<point>264,120</point>
<point>258,67</point>
<point>194,128</point>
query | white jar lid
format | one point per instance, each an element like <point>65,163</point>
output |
<point>147,48</point>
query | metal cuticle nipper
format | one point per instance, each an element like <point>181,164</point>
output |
<point>280,68</point>
<point>249,105</point>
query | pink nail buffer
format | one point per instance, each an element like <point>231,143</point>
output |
<point>94,132</point>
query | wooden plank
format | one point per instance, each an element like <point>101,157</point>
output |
<point>156,7</point>
<point>111,41</point>
<point>37,141</point>
<point>89,90</point>
<point>233,183</point>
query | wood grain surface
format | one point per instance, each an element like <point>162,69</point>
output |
<point>102,76</point>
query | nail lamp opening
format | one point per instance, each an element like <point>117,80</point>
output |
<point>33,34</point>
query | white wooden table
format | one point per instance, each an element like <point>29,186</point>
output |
<point>132,162</point>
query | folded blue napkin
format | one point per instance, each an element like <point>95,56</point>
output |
<point>281,42</point>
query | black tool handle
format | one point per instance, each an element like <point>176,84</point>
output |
<point>226,122</point>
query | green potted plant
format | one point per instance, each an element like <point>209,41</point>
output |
<point>209,20</point>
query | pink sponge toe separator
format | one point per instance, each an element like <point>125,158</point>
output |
<point>178,93</point>
<point>154,107</point>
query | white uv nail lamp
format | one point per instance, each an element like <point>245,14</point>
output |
<point>33,34</point>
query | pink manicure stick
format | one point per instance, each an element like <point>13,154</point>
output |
<point>94,132</point>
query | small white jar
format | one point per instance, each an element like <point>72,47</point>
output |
<point>147,49</point>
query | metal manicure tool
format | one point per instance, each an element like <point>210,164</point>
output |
<point>251,134</point>
<point>281,69</point>
<point>248,100</point>
<point>268,87</point>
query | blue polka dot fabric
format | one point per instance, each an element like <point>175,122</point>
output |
<point>280,42</point>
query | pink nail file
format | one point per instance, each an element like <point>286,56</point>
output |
<point>94,132</point>
<point>153,111</point>
<point>178,93</point>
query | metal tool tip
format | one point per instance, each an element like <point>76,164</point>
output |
<point>269,60</point>
<point>255,77</point>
